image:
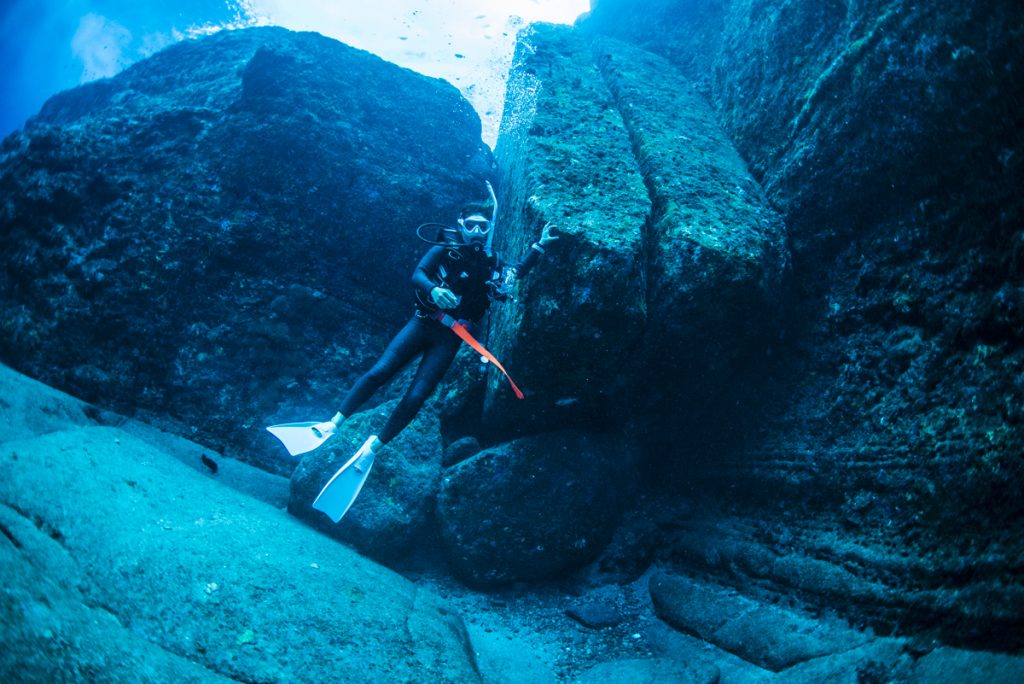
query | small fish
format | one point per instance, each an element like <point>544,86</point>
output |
<point>567,402</point>
<point>209,463</point>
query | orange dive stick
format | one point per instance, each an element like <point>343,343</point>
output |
<point>460,330</point>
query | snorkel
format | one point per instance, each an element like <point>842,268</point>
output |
<point>494,217</point>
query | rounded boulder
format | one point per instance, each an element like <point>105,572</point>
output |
<point>534,507</point>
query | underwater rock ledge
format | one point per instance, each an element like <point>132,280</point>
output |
<point>860,430</point>
<point>118,560</point>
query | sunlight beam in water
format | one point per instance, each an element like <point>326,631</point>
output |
<point>466,42</point>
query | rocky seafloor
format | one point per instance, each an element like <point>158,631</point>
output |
<point>131,554</point>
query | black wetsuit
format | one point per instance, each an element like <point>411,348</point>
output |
<point>467,272</point>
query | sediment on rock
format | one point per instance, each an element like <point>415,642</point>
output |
<point>562,331</point>
<point>715,254</point>
<point>884,135</point>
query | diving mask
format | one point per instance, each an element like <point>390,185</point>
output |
<point>475,228</point>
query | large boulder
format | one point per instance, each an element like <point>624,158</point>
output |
<point>393,510</point>
<point>222,231</point>
<point>566,157</point>
<point>670,259</point>
<point>535,507</point>
<point>119,563</point>
<point>886,134</point>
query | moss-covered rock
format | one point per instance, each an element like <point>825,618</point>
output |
<point>885,133</point>
<point>566,158</point>
<point>715,251</point>
<point>670,258</point>
<point>224,232</point>
<point>534,508</point>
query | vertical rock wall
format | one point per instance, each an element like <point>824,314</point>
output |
<point>887,133</point>
<point>669,256</point>
<point>567,159</point>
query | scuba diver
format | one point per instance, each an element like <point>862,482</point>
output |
<point>454,284</point>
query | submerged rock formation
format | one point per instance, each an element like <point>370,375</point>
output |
<point>120,563</point>
<point>670,259</point>
<point>884,457</point>
<point>791,276</point>
<point>223,232</point>
<point>393,511</point>
<point>772,637</point>
<point>534,508</point>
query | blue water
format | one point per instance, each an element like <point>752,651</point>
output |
<point>41,55</point>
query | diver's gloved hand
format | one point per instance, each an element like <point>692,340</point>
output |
<point>444,298</point>
<point>547,236</point>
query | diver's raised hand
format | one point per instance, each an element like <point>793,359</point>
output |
<point>547,235</point>
<point>444,298</point>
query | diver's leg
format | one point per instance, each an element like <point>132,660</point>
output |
<point>409,342</point>
<point>436,360</point>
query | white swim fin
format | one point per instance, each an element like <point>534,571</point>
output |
<point>341,490</point>
<point>298,438</point>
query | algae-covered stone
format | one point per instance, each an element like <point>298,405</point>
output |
<point>670,258</point>
<point>885,134</point>
<point>144,555</point>
<point>766,635</point>
<point>535,507</point>
<point>393,509</point>
<point>715,253</point>
<point>565,158</point>
<point>193,236</point>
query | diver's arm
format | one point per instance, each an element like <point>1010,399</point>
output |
<point>429,290</point>
<point>536,250</point>
<point>527,262</point>
<point>421,275</point>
